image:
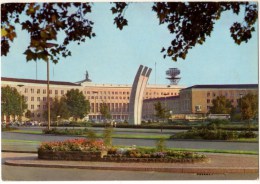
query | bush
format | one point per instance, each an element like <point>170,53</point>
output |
<point>247,134</point>
<point>213,134</point>
<point>160,144</point>
<point>91,135</point>
<point>65,131</point>
<point>107,136</point>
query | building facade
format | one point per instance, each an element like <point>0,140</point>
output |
<point>116,96</point>
<point>198,99</point>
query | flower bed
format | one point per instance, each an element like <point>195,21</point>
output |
<point>75,149</point>
<point>94,150</point>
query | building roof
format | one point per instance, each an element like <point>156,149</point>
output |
<point>220,86</point>
<point>37,81</point>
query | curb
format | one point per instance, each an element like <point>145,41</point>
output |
<point>194,170</point>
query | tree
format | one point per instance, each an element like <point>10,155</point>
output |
<point>104,110</point>
<point>44,21</point>
<point>28,114</point>
<point>221,105</point>
<point>78,106</point>
<point>12,103</point>
<point>192,22</point>
<point>59,108</point>
<point>189,22</point>
<point>248,105</point>
<point>160,111</point>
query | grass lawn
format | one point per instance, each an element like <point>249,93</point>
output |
<point>134,136</point>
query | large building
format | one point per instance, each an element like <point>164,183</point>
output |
<point>198,99</point>
<point>116,96</point>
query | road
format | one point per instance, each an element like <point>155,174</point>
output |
<point>220,145</point>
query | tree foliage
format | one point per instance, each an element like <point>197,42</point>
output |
<point>77,104</point>
<point>160,111</point>
<point>221,105</point>
<point>104,110</point>
<point>190,23</point>
<point>59,109</point>
<point>12,102</point>
<point>43,22</point>
<point>248,106</point>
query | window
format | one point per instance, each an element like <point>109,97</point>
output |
<point>32,90</point>
<point>50,91</point>
<point>44,99</point>
<point>38,91</point>
<point>62,92</point>
<point>32,98</point>
<point>38,106</point>
<point>32,106</point>
<point>208,94</point>
<point>38,99</point>
<point>44,91</point>
<point>25,90</point>
<point>56,92</point>
<point>44,106</point>
<point>208,100</point>
<point>198,108</point>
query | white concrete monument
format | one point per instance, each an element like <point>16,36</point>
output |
<point>137,94</point>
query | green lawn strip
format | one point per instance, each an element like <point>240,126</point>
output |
<point>135,136</point>
<point>20,141</point>
<point>202,150</point>
<point>139,136</point>
<point>27,131</point>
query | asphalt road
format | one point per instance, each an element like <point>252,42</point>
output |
<point>129,142</point>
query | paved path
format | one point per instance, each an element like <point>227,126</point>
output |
<point>217,164</point>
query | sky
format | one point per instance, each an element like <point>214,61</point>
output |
<point>113,56</point>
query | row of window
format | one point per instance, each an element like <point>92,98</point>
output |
<point>232,100</point>
<point>107,92</point>
<point>226,94</point>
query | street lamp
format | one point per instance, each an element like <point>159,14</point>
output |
<point>49,45</point>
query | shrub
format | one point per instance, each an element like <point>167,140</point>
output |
<point>65,131</point>
<point>107,136</point>
<point>213,134</point>
<point>91,135</point>
<point>247,134</point>
<point>160,144</point>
